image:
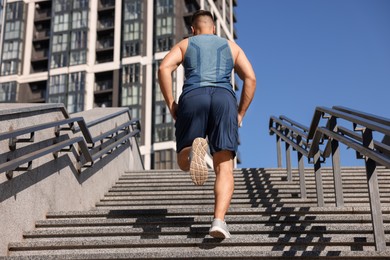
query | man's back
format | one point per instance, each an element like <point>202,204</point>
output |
<point>207,61</point>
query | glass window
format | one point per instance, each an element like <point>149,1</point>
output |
<point>165,25</point>
<point>79,19</point>
<point>164,7</point>
<point>132,89</point>
<point>60,42</point>
<point>14,11</point>
<point>59,60</point>
<point>132,28</point>
<point>132,9</point>
<point>61,22</point>
<point>69,90</point>
<point>163,123</point>
<point>8,92</point>
<point>78,57</point>
<point>75,98</point>
<point>61,5</point>
<point>80,4</point>
<point>78,40</point>
<point>12,30</point>
<point>13,39</point>
<point>165,159</point>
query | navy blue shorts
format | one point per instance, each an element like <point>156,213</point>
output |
<point>208,112</point>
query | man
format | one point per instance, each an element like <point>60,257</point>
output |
<point>208,108</point>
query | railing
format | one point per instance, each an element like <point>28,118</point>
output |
<point>321,141</point>
<point>90,148</point>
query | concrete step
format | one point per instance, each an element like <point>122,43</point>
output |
<point>262,240</point>
<point>210,251</point>
<point>248,219</point>
<point>189,229</point>
<point>162,215</point>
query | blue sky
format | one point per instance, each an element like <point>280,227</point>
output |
<point>309,53</point>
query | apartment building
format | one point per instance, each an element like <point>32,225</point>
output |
<point>101,53</point>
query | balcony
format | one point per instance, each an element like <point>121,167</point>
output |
<point>33,92</point>
<point>103,86</point>
<point>42,11</point>
<point>106,5</point>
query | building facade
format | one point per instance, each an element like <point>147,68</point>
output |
<point>101,53</point>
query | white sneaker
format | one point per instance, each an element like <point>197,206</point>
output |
<point>219,229</point>
<point>198,166</point>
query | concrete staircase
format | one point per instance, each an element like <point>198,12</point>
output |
<point>162,215</point>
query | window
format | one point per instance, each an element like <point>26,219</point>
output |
<point>59,60</point>
<point>132,89</point>
<point>165,159</point>
<point>13,39</point>
<point>80,4</point>
<point>165,25</point>
<point>133,9</point>
<point>132,28</point>
<point>69,90</point>
<point>78,57</point>
<point>14,11</point>
<point>70,30</point>
<point>61,22</point>
<point>8,92</point>
<point>13,30</point>
<point>78,40</point>
<point>132,31</point>
<point>60,42</point>
<point>163,125</point>
<point>79,19</point>
<point>164,7</point>
<point>61,5</point>
<point>76,87</point>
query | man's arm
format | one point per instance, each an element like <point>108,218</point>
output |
<point>244,70</point>
<point>168,65</point>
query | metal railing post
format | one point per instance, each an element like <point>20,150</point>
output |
<point>301,169</point>
<point>318,179</point>
<point>279,151</point>
<point>374,196</point>
<point>338,183</point>
<point>288,162</point>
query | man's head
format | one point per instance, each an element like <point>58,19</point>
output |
<point>202,23</point>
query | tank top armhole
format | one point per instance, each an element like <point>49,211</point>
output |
<point>186,48</point>
<point>231,52</point>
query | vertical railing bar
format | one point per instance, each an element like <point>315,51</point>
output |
<point>279,151</point>
<point>338,183</point>
<point>318,179</point>
<point>301,169</point>
<point>374,196</point>
<point>288,162</point>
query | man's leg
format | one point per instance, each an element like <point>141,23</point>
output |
<point>224,183</point>
<point>196,164</point>
<point>182,159</point>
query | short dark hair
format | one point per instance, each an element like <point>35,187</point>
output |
<point>201,13</point>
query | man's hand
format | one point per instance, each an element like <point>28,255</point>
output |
<point>173,109</point>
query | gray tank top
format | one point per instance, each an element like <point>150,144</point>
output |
<point>208,61</point>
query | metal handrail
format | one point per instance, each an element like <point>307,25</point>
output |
<point>360,139</point>
<point>12,135</point>
<point>113,131</point>
<point>12,165</point>
<point>378,119</point>
<point>294,123</point>
<point>89,155</point>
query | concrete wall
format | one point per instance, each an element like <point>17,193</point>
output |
<point>54,184</point>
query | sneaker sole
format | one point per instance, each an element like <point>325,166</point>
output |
<point>218,233</point>
<point>198,166</point>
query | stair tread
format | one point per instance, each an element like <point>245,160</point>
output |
<point>161,214</point>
